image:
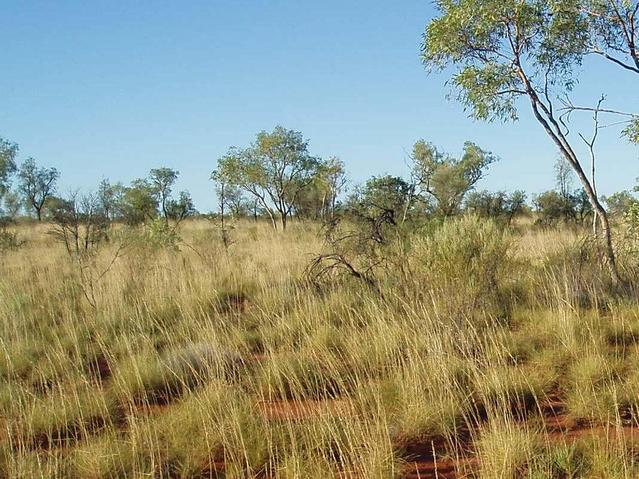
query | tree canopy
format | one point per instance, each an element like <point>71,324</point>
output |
<point>274,170</point>
<point>445,179</point>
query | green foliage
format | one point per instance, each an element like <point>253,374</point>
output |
<point>446,179</point>
<point>632,131</point>
<point>161,181</point>
<point>382,196</point>
<point>160,234</point>
<point>619,203</point>
<point>498,205</point>
<point>8,153</point>
<point>111,199</point>
<point>553,207</point>
<point>37,184</point>
<point>319,199</point>
<point>478,37</point>
<point>612,25</point>
<point>139,203</point>
<point>275,170</point>
<point>466,261</point>
<point>180,208</point>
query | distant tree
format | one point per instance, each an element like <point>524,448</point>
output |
<point>446,179</point>
<point>52,204</point>
<point>79,223</point>
<point>139,203</point>
<point>319,200</point>
<point>581,205</point>
<point>162,181</point>
<point>180,208</point>
<point>12,203</point>
<point>274,170</point>
<point>504,50</point>
<point>516,204</point>
<point>555,206</point>
<point>382,197</point>
<point>8,153</point>
<point>564,177</point>
<point>230,197</point>
<point>619,203</point>
<point>499,205</point>
<point>332,179</point>
<point>310,201</point>
<point>37,184</point>
<point>110,198</point>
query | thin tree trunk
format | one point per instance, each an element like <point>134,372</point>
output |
<point>598,209</point>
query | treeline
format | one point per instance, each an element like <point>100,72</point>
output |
<point>277,178</point>
<point>32,190</point>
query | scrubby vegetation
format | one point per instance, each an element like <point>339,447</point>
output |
<point>409,327</point>
<point>494,352</point>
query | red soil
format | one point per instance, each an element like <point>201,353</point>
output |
<point>431,459</point>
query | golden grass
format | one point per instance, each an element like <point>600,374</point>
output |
<point>203,362</point>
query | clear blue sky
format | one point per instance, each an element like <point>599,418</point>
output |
<point>114,88</point>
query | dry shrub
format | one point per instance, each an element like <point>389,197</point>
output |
<point>464,266</point>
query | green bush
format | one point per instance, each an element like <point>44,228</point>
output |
<point>464,265</point>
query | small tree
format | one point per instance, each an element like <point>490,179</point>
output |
<point>555,206</point>
<point>37,184</point>
<point>274,171</point>
<point>110,197</point>
<point>382,196</point>
<point>80,224</point>
<point>162,181</point>
<point>224,190</point>
<point>139,203</point>
<point>619,203</point>
<point>446,179</point>
<point>181,208</point>
<point>564,177</point>
<point>8,153</point>
<point>499,205</point>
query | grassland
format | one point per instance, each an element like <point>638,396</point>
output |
<point>489,354</point>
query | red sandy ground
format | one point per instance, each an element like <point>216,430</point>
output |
<point>428,460</point>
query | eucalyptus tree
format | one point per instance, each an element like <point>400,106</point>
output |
<point>505,50</point>
<point>8,153</point>
<point>139,203</point>
<point>162,181</point>
<point>499,205</point>
<point>37,184</point>
<point>447,179</point>
<point>333,180</point>
<point>274,170</point>
<point>111,197</point>
<point>319,200</point>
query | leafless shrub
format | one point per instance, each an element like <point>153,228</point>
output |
<point>82,227</point>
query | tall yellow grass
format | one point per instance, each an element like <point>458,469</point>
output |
<point>203,362</point>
